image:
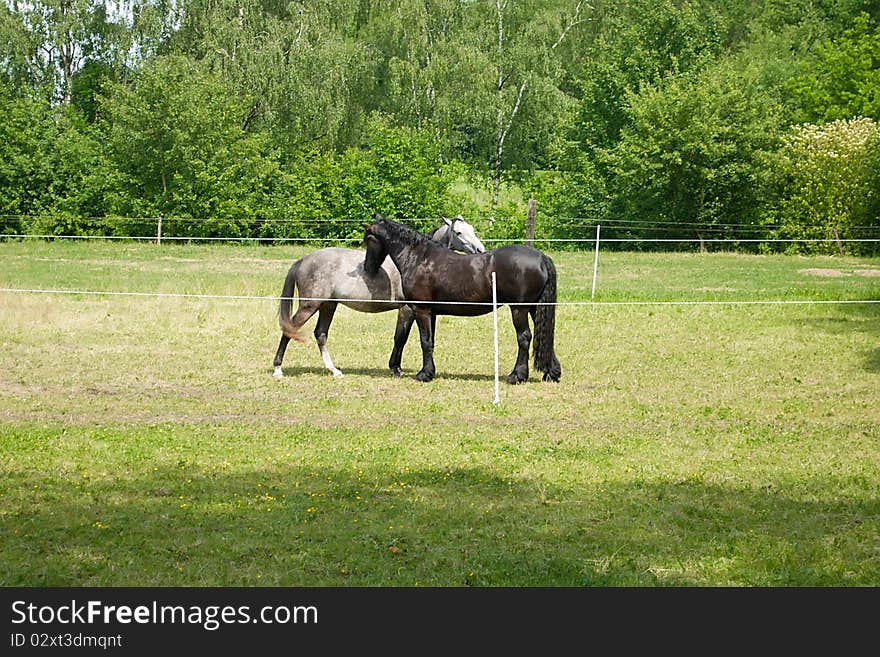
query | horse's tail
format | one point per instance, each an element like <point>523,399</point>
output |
<point>545,326</point>
<point>285,308</point>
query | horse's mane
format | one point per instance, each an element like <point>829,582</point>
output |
<point>407,235</point>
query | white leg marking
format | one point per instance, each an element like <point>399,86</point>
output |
<point>328,362</point>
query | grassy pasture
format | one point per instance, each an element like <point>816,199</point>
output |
<point>144,442</point>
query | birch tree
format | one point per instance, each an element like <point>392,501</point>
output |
<point>49,41</point>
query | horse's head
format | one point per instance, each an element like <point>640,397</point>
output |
<point>385,237</point>
<point>376,252</point>
<point>462,236</point>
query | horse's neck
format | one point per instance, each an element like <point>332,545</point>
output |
<point>441,235</point>
<point>404,254</point>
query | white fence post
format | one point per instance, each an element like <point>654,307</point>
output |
<point>497,399</point>
<point>595,264</point>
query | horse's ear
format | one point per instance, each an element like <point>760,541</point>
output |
<point>448,221</point>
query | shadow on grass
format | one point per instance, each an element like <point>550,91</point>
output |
<point>872,362</point>
<point>293,525</point>
<point>855,318</point>
<point>297,370</point>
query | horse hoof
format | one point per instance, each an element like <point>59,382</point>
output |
<point>424,377</point>
<point>336,373</point>
<point>278,374</point>
<point>553,377</point>
<point>396,372</point>
<point>513,378</point>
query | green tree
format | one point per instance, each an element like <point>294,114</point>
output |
<point>844,81</point>
<point>47,42</point>
<point>695,150</point>
<point>638,45</point>
<point>397,172</point>
<point>25,175</point>
<point>305,79</point>
<point>631,45</point>
<point>484,77</point>
<point>51,169</point>
<point>176,140</point>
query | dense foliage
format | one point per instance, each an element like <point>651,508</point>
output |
<point>665,122</point>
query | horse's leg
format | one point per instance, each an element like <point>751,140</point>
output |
<point>279,356</point>
<point>425,320</point>
<point>290,329</point>
<point>405,319</point>
<point>325,318</point>
<point>301,316</point>
<point>520,316</point>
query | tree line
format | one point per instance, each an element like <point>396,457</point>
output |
<point>659,120</point>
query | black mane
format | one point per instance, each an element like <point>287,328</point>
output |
<point>407,235</point>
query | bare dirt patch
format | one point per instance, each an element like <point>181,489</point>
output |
<point>840,273</point>
<point>831,273</point>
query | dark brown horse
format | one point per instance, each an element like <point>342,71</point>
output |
<point>437,281</point>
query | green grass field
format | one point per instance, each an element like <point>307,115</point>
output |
<point>143,440</point>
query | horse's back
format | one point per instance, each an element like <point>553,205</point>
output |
<point>517,256</point>
<point>521,272</point>
<point>338,273</point>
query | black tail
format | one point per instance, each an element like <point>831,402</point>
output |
<point>285,308</point>
<point>545,326</point>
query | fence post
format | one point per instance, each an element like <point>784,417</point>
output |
<point>595,264</point>
<point>497,399</point>
<point>159,231</point>
<point>530,221</point>
<point>837,240</point>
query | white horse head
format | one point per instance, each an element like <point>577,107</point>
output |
<point>459,235</point>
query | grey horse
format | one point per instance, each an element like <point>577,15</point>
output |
<point>328,277</point>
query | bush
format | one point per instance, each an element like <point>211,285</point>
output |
<point>396,173</point>
<point>832,184</point>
